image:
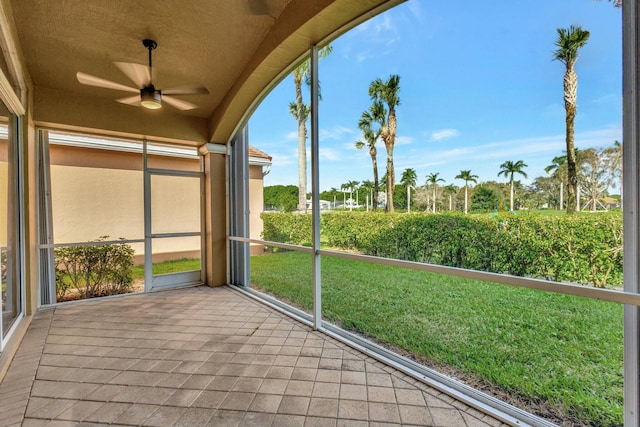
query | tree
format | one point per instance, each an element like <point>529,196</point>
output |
<point>450,190</point>
<point>344,187</point>
<point>351,186</point>
<point>433,179</point>
<point>613,161</point>
<point>376,114</point>
<point>467,177</point>
<point>594,176</point>
<point>329,195</point>
<point>281,197</point>
<point>509,169</point>
<point>369,187</point>
<point>558,170</point>
<point>409,179</point>
<point>300,112</point>
<point>485,199</point>
<point>569,41</point>
<point>387,93</point>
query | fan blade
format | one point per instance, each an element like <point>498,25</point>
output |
<point>89,80</point>
<point>178,103</point>
<point>130,100</point>
<point>138,73</point>
<point>186,90</point>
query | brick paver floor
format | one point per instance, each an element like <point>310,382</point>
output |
<point>205,357</point>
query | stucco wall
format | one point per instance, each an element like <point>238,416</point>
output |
<point>4,191</point>
<point>256,205</point>
<point>100,192</point>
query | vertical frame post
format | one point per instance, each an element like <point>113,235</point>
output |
<point>148,255</point>
<point>239,201</point>
<point>315,190</point>
<point>631,208</point>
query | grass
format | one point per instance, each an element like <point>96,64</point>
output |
<point>173,266</point>
<point>559,356</point>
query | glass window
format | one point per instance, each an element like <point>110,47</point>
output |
<point>9,245</point>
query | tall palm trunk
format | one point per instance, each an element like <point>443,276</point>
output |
<point>570,95</point>
<point>302,148</point>
<point>376,185</point>
<point>466,198</point>
<point>434,198</point>
<point>511,204</point>
<point>389,140</point>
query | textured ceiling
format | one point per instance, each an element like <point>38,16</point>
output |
<point>234,48</point>
<point>201,42</point>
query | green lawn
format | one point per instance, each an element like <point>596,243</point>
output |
<point>559,355</point>
<point>174,266</point>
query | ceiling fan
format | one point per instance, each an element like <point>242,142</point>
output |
<point>147,94</point>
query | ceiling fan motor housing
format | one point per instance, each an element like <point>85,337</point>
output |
<point>150,97</point>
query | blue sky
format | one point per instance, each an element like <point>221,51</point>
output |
<point>477,87</point>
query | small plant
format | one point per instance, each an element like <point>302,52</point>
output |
<point>94,270</point>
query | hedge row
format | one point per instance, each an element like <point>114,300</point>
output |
<point>584,248</point>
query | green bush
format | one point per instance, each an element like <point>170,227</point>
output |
<point>94,270</point>
<point>583,248</point>
<point>287,228</point>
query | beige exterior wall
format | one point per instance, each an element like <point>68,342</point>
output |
<point>99,192</point>
<point>256,205</point>
<point>4,187</point>
<point>4,175</point>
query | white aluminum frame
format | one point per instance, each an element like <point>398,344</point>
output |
<point>14,136</point>
<point>184,278</point>
<point>629,297</point>
<point>315,189</point>
<point>631,204</point>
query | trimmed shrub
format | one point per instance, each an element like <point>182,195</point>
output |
<point>287,228</point>
<point>94,270</point>
<point>584,249</point>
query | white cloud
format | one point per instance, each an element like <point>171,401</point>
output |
<point>377,35</point>
<point>282,159</point>
<point>439,135</point>
<point>404,140</point>
<point>519,148</point>
<point>416,10</point>
<point>330,154</point>
<point>291,136</point>
<point>337,133</point>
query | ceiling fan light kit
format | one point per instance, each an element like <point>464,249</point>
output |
<point>150,97</point>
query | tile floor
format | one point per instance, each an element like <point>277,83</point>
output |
<point>205,357</point>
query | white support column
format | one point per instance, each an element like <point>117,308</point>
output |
<point>315,190</point>
<point>631,209</point>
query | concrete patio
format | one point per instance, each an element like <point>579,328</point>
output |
<point>205,356</point>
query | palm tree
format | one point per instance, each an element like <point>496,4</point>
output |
<point>451,189</point>
<point>375,113</point>
<point>508,169</point>
<point>368,186</point>
<point>467,177</point>
<point>558,170</point>
<point>387,92</point>
<point>344,188</point>
<point>433,179</point>
<point>300,112</point>
<point>334,190</point>
<point>409,179</point>
<point>569,41</point>
<point>351,186</point>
